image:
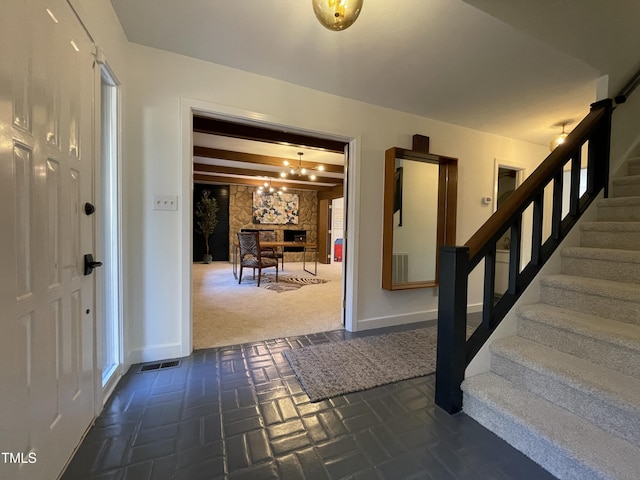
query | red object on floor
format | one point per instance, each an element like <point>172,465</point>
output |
<point>337,250</point>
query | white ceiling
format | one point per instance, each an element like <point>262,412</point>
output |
<point>442,59</point>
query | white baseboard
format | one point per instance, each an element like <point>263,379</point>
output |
<point>395,320</point>
<point>154,353</point>
<point>474,308</point>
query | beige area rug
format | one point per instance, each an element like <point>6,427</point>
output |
<point>228,313</point>
<point>332,369</point>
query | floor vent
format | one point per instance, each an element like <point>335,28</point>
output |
<point>150,367</point>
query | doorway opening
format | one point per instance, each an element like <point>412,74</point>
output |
<point>508,178</point>
<point>231,161</point>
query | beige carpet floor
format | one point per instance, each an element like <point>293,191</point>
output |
<point>228,313</point>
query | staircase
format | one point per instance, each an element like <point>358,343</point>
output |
<point>566,390</point>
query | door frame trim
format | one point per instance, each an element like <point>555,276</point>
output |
<point>104,392</point>
<point>189,107</point>
<point>519,168</point>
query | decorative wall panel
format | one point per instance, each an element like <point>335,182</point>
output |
<point>22,101</point>
<point>23,168</point>
<point>53,221</point>
<point>74,208</point>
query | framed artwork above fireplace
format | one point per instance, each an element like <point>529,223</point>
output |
<point>275,208</point>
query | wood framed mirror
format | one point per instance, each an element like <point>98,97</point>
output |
<point>420,200</point>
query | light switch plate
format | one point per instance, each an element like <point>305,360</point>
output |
<point>165,202</point>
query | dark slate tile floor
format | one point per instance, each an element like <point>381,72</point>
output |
<point>239,413</point>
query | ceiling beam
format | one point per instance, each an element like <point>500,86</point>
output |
<point>335,192</point>
<point>202,178</point>
<point>219,154</point>
<point>202,167</point>
<point>216,126</point>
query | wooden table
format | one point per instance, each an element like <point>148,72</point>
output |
<point>304,245</point>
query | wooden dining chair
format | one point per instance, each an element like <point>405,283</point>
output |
<point>251,255</point>
<point>271,252</point>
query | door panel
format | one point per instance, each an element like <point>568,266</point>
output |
<point>46,174</point>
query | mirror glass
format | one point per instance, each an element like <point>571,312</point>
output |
<point>419,216</point>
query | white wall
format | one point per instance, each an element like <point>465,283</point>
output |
<point>625,133</point>
<point>156,83</point>
<point>153,164</point>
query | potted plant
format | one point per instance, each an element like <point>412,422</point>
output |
<point>206,220</point>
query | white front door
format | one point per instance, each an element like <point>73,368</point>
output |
<point>47,339</point>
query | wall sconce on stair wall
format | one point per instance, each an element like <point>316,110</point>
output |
<point>337,14</point>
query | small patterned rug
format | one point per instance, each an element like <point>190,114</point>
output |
<point>286,283</point>
<point>331,369</point>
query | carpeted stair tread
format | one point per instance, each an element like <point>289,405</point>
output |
<point>608,342</point>
<point>627,180</point>
<point>621,234</point>
<point>604,263</point>
<point>615,227</point>
<point>593,286</point>
<point>579,373</point>
<point>566,390</point>
<point>608,398</point>
<point>619,209</point>
<point>620,334</point>
<point>626,186</point>
<point>567,445</point>
<point>619,202</point>
<point>607,254</point>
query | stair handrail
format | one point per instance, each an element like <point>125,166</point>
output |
<point>628,89</point>
<point>456,263</point>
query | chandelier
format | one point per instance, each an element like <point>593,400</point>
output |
<point>299,170</point>
<point>337,14</point>
<point>268,188</point>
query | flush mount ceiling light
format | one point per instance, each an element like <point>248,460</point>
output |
<point>299,170</point>
<point>559,139</point>
<point>337,14</point>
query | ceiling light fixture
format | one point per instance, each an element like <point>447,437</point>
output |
<point>268,188</point>
<point>337,14</point>
<point>559,139</point>
<point>299,170</point>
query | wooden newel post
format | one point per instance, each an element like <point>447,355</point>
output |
<point>452,326</point>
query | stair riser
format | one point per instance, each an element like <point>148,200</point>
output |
<point>619,213</point>
<point>598,351</point>
<point>626,190</point>
<point>633,164</point>
<point>624,422</point>
<point>541,451</point>
<point>613,308</point>
<point>618,240</point>
<point>602,269</point>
